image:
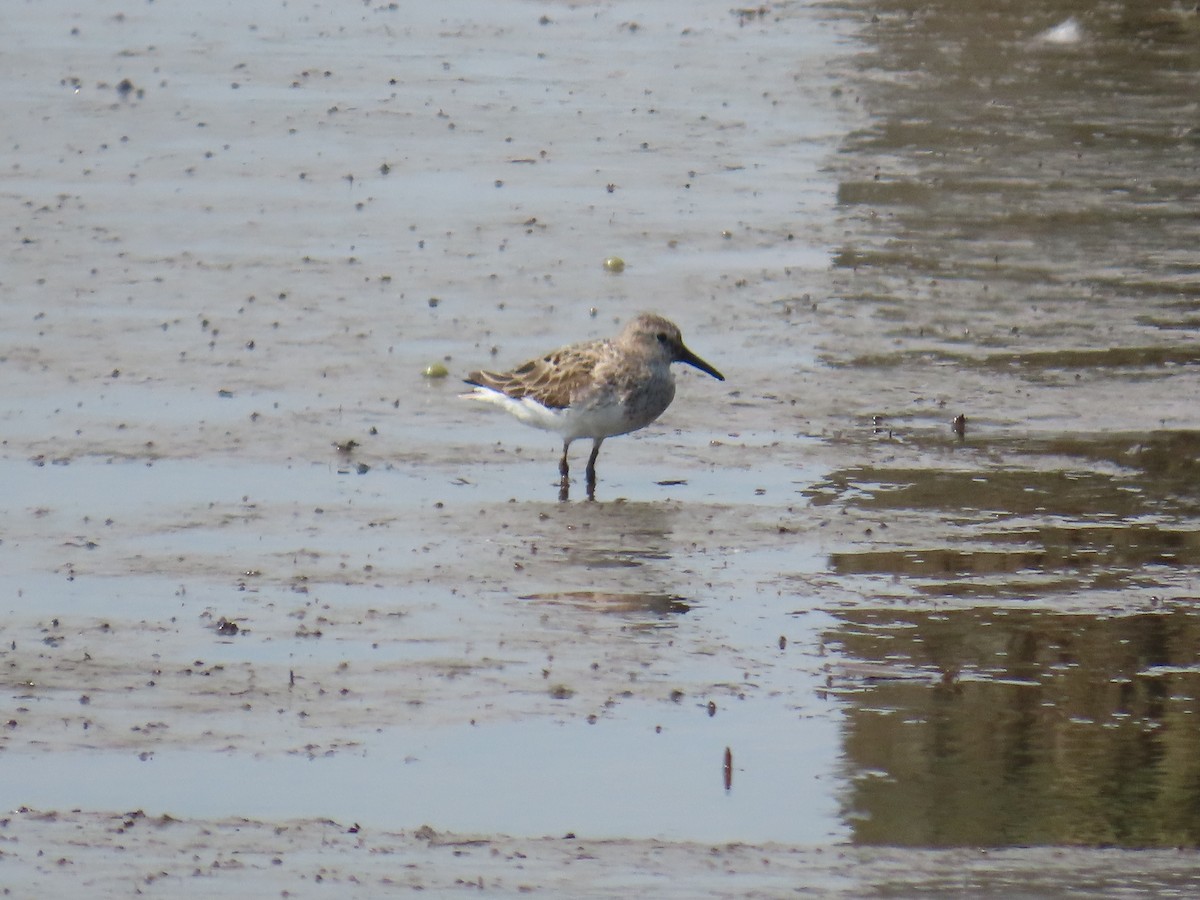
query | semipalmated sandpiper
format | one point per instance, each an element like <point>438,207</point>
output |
<point>595,389</point>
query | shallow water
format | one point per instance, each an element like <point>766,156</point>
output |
<point>1015,251</point>
<point>872,221</point>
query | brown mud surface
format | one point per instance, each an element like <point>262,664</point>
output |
<point>904,607</point>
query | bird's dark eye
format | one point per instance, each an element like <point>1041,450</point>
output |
<point>662,337</point>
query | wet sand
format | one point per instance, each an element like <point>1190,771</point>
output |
<point>113,855</point>
<point>319,622</point>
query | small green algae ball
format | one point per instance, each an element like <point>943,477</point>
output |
<point>614,264</point>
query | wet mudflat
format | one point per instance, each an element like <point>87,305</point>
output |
<point>281,612</point>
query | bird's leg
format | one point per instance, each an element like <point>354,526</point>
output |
<point>564,471</point>
<point>591,468</point>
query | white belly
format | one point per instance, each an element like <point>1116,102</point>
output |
<point>599,421</point>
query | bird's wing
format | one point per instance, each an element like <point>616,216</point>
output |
<point>552,380</point>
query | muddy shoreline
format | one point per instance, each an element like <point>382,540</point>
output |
<point>318,621</point>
